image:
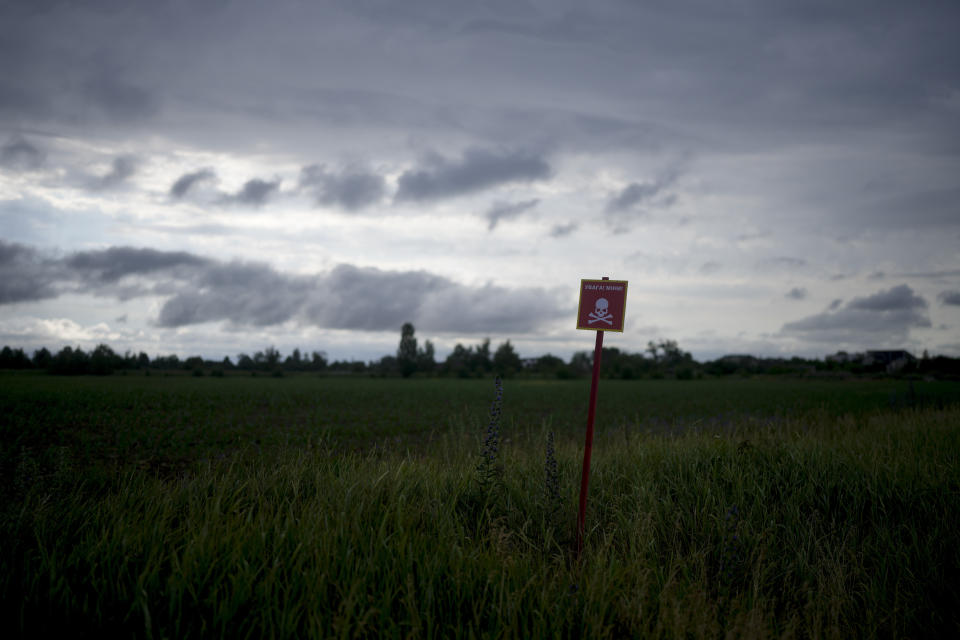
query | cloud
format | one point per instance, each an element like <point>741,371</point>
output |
<point>781,262</point>
<point>254,192</point>
<point>894,299</point>
<point>563,230</point>
<point>933,275</point>
<point>477,170</point>
<point>244,293</point>
<point>187,181</point>
<point>932,208</point>
<point>507,211</point>
<point>19,155</point>
<point>199,290</point>
<point>110,265</point>
<point>122,168</point>
<point>797,293</point>
<point>351,297</point>
<point>24,274</point>
<point>637,193</point>
<point>710,267</point>
<point>350,189</point>
<point>950,298</point>
<point>886,316</point>
<point>119,100</point>
<point>637,198</point>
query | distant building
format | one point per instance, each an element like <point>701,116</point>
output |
<point>841,357</point>
<point>894,360</point>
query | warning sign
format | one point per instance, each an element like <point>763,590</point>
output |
<point>602,305</point>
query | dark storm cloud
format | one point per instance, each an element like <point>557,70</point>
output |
<point>109,265</point>
<point>187,181</point>
<point>117,99</point>
<point>24,274</point>
<point>644,194</point>
<point>372,299</point>
<point>19,155</point>
<point>770,69</point>
<point>797,293</point>
<point>350,297</point>
<point>949,297</point>
<point>894,299</point>
<point>255,192</point>
<point>350,189</point>
<point>477,170</point>
<point>251,294</point>
<point>489,309</point>
<point>507,211</point>
<point>199,290</point>
<point>122,168</point>
<point>632,194</point>
<point>887,314</point>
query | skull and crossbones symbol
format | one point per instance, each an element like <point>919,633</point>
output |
<point>601,312</point>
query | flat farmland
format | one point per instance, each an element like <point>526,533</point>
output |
<point>309,506</point>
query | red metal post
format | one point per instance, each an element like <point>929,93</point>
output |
<point>588,445</point>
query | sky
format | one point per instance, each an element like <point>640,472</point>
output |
<point>215,177</point>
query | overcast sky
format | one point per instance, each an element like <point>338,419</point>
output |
<point>211,177</point>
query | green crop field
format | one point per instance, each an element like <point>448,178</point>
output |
<point>174,507</point>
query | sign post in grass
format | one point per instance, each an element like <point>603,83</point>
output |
<point>601,308</point>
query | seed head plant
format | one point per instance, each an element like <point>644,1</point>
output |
<point>551,481</point>
<point>489,469</point>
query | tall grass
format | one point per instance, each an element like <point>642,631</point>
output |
<point>815,526</point>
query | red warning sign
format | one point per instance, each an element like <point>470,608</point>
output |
<point>602,305</point>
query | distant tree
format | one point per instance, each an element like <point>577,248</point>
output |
<point>506,362</point>
<point>294,361</point>
<point>103,360</point>
<point>318,361</point>
<point>386,366</point>
<point>245,362</point>
<point>458,361</point>
<point>42,358</point>
<point>70,361</point>
<point>167,362</point>
<point>468,362</point>
<point>480,361</point>
<point>425,358</point>
<point>271,357</point>
<point>143,360</point>
<point>407,350</point>
<point>551,366</point>
<point>14,359</point>
<point>581,363</point>
<point>652,349</point>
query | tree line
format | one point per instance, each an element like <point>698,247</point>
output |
<point>660,359</point>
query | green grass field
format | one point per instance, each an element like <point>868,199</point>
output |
<point>342,507</point>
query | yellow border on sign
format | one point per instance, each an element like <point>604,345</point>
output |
<point>580,301</point>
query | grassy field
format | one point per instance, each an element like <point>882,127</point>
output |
<point>342,507</point>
